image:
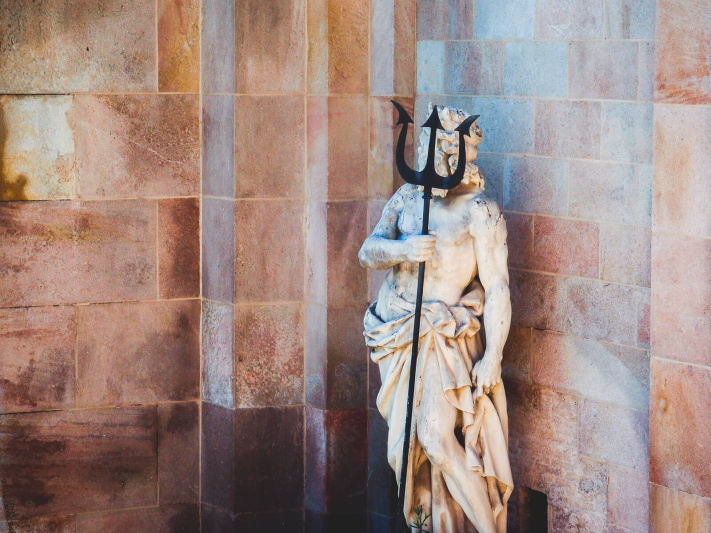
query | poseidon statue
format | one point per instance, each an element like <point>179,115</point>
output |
<point>458,471</point>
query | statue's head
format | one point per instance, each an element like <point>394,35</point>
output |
<point>447,147</point>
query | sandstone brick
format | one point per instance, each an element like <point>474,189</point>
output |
<point>605,192</point>
<point>680,298</point>
<point>612,373</point>
<point>383,178</point>
<point>138,145</point>
<point>627,132</point>
<point>679,427</point>
<point>346,231</point>
<point>510,20</point>
<point>430,67</point>
<point>78,461</point>
<point>37,147</point>
<point>474,67</point>
<point>614,434</point>
<point>538,300</point>
<point>269,356</point>
<point>444,20</point>
<point>535,68</point>
<point>138,352</point>
<point>270,46</point>
<point>555,138</point>
<point>628,496</point>
<point>348,42</point>
<point>682,167</point>
<point>625,254</point>
<point>519,240</point>
<point>218,324</point>
<point>536,185</point>
<point>564,246</point>
<point>347,370</point>
<point>98,251</point>
<point>603,69</point>
<point>404,55</point>
<point>673,511</point>
<point>347,147</point>
<point>218,145</point>
<point>683,42</point>
<point>37,367</point>
<point>646,179</point>
<point>182,518</point>
<point>570,19</point>
<point>507,124</point>
<point>270,235</point>
<point>317,148</point>
<point>217,62</point>
<point>179,248</point>
<point>54,46</point>
<point>178,452</point>
<point>178,45</point>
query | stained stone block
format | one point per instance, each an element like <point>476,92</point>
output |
<point>603,69</point>
<point>178,452</point>
<point>218,353</point>
<point>218,145</point>
<point>538,300</point>
<point>629,19</point>
<point>505,20</point>
<point>347,147</point>
<point>674,511</point>
<point>536,185</point>
<point>178,45</point>
<point>570,19</point>
<point>217,60</point>
<point>181,518</point>
<point>519,240</point>
<point>507,124</point>
<point>474,67</point>
<point>626,254</point>
<point>179,248</point>
<point>445,20</point>
<point>563,246</point>
<point>346,231</point>
<point>55,524</point>
<point>647,59</point>
<point>555,138</point>
<point>218,249</point>
<point>628,496</point>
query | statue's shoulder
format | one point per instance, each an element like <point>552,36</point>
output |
<point>402,196</point>
<point>484,212</point>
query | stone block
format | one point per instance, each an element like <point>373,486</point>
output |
<point>647,59</point>
<point>444,20</point>
<point>430,67</point>
<point>178,452</point>
<point>493,168</point>
<point>218,343</point>
<point>519,240</point>
<point>347,371</point>
<point>535,68</point>
<point>629,19</point>
<point>347,456</point>
<point>536,185</point>
<point>347,229</point>
<point>603,69</point>
<point>627,131</point>
<point>383,177</point>
<point>564,246</point>
<point>555,135</point>
<point>217,63</point>
<point>347,147</point>
<point>626,254</point>
<point>37,367</point>
<point>138,352</point>
<point>217,456</point>
<point>404,55</point>
<point>218,145</point>
<point>178,45</point>
<point>55,524</point>
<point>474,67</point>
<point>382,48</point>
<point>138,145</point>
<point>348,43</point>
<point>628,497</point>
<point>673,511</point>
<point>181,518</point>
<point>570,19</point>
<point>505,20</point>
<point>218,249</point>
<point>538,300</point>
<point>507,124</point>
<point>516,363</point>
<point>644,308</point>
<point>605,192</point>
<point>179,248</point>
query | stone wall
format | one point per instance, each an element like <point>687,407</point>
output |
<point>564,90</point>
<point>100,265</point>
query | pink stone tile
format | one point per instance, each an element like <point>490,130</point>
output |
<point>37,367</point>
<point>569,19</point>
<point>348,47</point>
<point>163,519</point>
<point>179,248</point>
<point>269,245</point>
<point>605,192</point>
<point>65,252</point>
<point>382,46</point>
<point>317,147</point>
<point>178,452</point>
<point>269,146</point>
<point>269,356</point>
<point>681,291</point>
<point>37,136</point>
<point>603,69</point>
<point>626,254</point>
<point>474,67</point>
<point>138,145</point>
<point>680,427</point>
<point>218,324</point>
<point>270,46</point>
<point>520,239</point>
<point>628,495</point>
<point>673,511</point>
<point>405,49</point>
<point>593,369</point>
<point>316,364</point>
<point>564,246</point>
<point>383,178</point>
<point>682,169</point>
<point>67,462</point>
<point>218,249</point>
<point>346,460</point>
<point>683,47</point>
<point>445,20</point>
<point>554,135</point>
<point>179,45</point>
<point>516,363</point>
<point>346,231</point>
<point>347,367</point>
<point>65,47</point>
<point>138,352</point>
<point>347,147</point>
<point>644,308</point>
<point>538,300</point>
<point>536,185</point>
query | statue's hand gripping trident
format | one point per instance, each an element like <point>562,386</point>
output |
<point>428,179</point>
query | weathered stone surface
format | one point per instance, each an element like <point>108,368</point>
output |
<point>603,69</point>
<point>217,456</point>
<point>78,461</point>
<point>178,45</point>
<point>627,131</point>
<point>179,248</point>
<point>348,47</point>
<point>269,356</point>
<point>536,185</point>
<point>647,58</point>
<point>37,147</point>
<point>508,123</point>
<point>346,231</point>
<point>535,68</point>
<point>218,249</point>
<point>555,138</point>
<point>270,45</point>
<point>519,240</point>
<point>505,20</point>
<point>217,60</point>
<point>347,373</point>
<point>606,192</point>
<point>138,145</point>
<point>37,364</point>
<point>673,511</point>
<point>474,67</point>
<point>55,524</point>
<point>444,20</point>
<point>629,19</point>
<point>628,499</point>
<point>347,147</point>
<point>405,52</point>
<point>215,520</point>
<point>54,46</point>
<point>570,19</point>
<point>218,145</point>
<point>65,252</point>
<point>178,452</point>
<point>430,67</point>
<point>626,254</point>
<point>382,488</point>
<point>538,300</point>
<point>181,518</point>
<point>138,352</point>
<point>516,363</point>
<point>218,325</point>
<point>564,246</point>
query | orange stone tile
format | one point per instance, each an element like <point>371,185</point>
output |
<point>554,136</point>
<point>164,519</point>
<point>346,231</point>
<point>269,244</point>
<point>269,356</point>
<point>348,47</point>
<point>681,292</point>
<point>179,45</point>
<point>138,352</point>
<point>269,146</point>
<point>680,427</point>
<point>53,46</point>
<point>383,177</point>
<point>178,452</point>
<point>673,511</point>
<point>138,145</point>
<point>683,42</point>
<point>37,367</point>
<point>405,48</point>
<point>682,169</point>
<point>67,252</point>
<point>563,246</point>
<point>67,462</point>
<point>347,147</point>
<point>270,46</point>
<point>179,248</point>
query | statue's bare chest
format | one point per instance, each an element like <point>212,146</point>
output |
<point>449,218</point>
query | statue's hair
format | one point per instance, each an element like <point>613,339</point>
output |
<point>447,114</point>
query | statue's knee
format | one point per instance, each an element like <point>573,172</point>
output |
<point>436,452</point>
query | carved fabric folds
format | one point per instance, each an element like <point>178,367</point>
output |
<point>451,335</point>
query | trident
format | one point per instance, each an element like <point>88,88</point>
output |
<point>428,179</point>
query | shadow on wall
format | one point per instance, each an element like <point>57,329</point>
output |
<point>9,189</point>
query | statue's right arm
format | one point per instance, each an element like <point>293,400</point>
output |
<point>384,249</point>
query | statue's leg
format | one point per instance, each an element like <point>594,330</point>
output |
<point>436,420</point>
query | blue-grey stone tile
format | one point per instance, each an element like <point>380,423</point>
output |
<point>474,67</point>
<point>627,132</point>
<point>430,67</point>
<point>507,124</point>
<point>511,19</point>
<point>492,168</point>
<point>536,185</point>
<point>628,19</point>
<point>646,71</point>
<point>536,68</point>
<point>645,194</point>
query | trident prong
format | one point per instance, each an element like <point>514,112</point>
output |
<point>428,177</point>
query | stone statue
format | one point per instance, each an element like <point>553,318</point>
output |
<point>458,471</point>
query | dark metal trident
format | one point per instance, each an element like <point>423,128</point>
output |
<point>428,179</point>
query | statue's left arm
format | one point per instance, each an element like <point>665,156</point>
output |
<point>489,231</point>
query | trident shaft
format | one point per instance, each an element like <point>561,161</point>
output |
<point>428,179</point>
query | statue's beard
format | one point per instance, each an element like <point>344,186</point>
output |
<point>443,192</point>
